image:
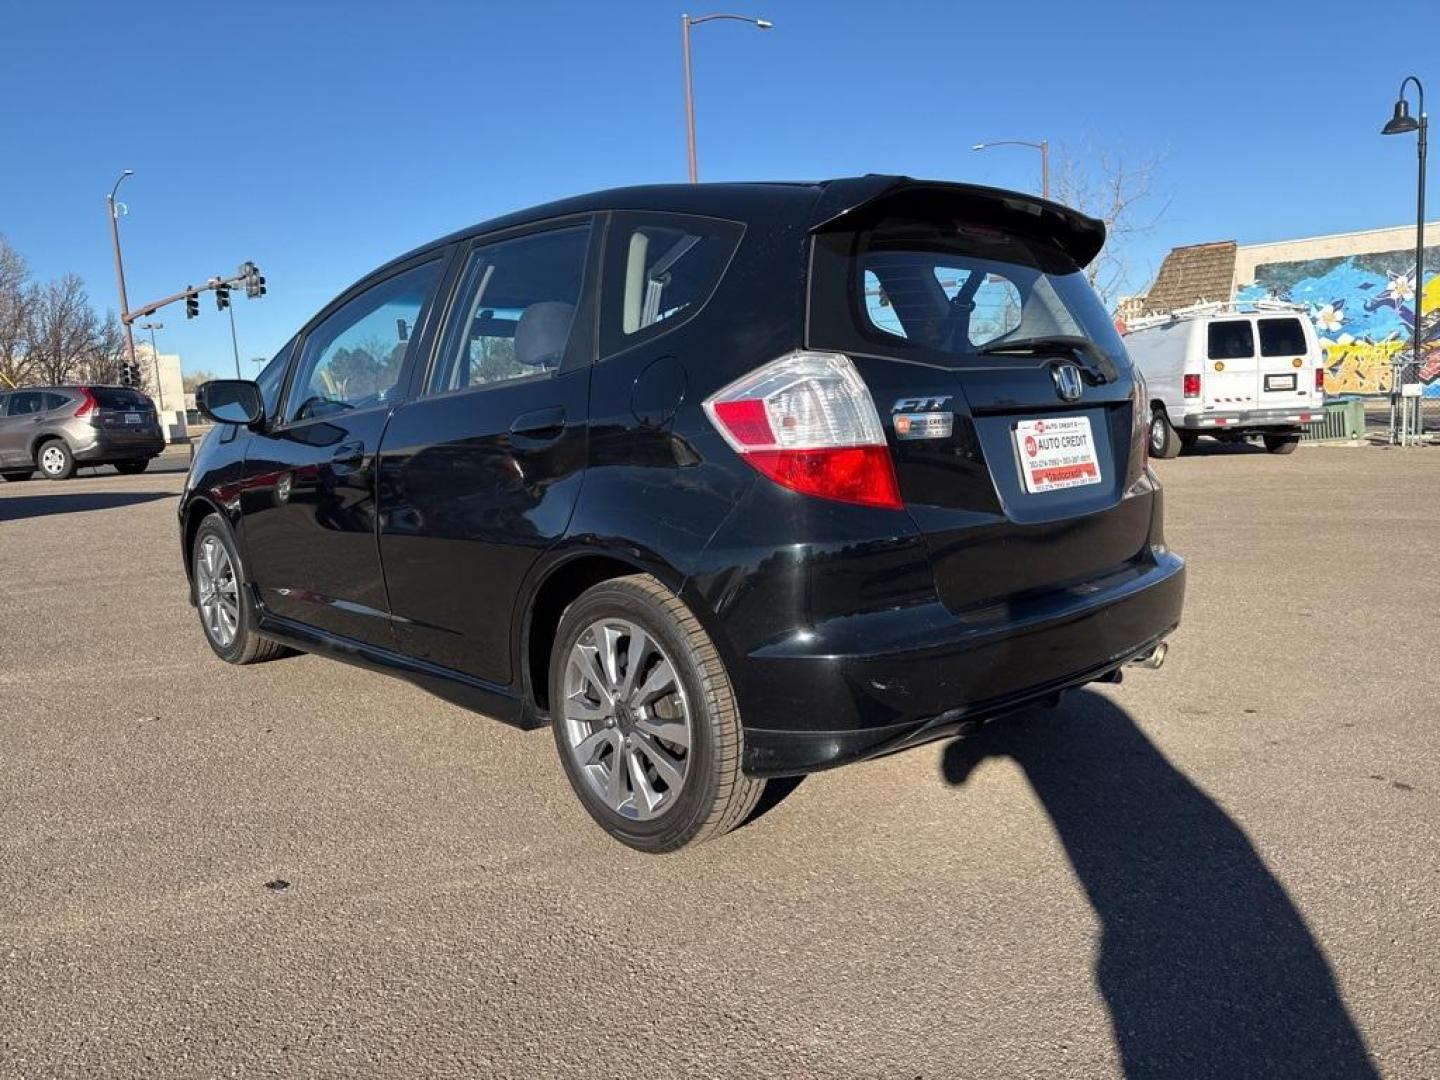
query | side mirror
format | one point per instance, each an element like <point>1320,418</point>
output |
<point>230,401</point>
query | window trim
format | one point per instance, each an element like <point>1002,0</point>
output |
<point>611,340</point>
<point>420,341</point>
<point>579,351</point>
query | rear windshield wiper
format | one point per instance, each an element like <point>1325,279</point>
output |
<point>1100,365</point>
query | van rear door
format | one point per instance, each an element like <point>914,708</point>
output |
<point>1285,373</point>
<point>1009,405</point>
<point>1230,379</point>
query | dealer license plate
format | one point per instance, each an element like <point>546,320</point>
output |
<point>132,418</point>
<point>1056,453</point>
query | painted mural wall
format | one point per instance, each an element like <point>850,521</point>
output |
<point>1363,307</point>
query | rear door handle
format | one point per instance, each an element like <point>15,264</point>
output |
<point>348,456</point>
<point>541,424</point>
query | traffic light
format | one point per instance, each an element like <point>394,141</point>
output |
<point>129,374</point>
<point>254,281</point>
<point>192,304</point>
<point>222,297</point>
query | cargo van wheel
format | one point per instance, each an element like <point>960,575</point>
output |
<point>1164,442</point>
<point>1281,444</point>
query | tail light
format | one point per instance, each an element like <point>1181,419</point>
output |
<point>1192,385</point>
<point>1320,378</point>
<point>87,404</point>
<point>807,422</point>
<point>1140,410</point>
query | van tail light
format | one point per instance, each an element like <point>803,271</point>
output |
<point>87,404</point>
<point>1320,378</point>
<point>1192,385</point>
<point>808,423</point>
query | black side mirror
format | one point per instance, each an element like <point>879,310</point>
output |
<point>230,401</point>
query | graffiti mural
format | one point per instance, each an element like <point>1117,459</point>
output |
<point>1363,307</point>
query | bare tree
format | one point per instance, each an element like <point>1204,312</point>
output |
<point>62,329</point>
<point>1124,194</point>
<point>105,353</point>
<point>15,296</point>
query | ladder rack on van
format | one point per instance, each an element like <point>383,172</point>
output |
<point>1213,307</point>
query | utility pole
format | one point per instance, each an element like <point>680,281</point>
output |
<point>234,344</point>
<point>113,207</point>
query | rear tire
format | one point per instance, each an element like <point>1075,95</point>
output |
<point>129,468</point>
<point>55,459</point>
<point>16,477</point>
<point>1281,444</point>
<point>223,597</point>
<point>670,727</point>
<point>1164,442</point>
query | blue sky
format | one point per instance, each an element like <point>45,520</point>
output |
<point>321,139</point>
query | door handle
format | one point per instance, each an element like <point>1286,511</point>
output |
<point>348,456</point>
<point>540,424</point>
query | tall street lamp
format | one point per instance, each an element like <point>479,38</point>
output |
<point>155,357</point>
<point>1043,146</point>
<point>1402,123</point>
<point>114,209</point>
<point>686,22</point>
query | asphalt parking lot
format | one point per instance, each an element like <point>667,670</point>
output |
<point>1227,868</point>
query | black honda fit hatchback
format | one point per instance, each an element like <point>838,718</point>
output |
<point>722,482</point>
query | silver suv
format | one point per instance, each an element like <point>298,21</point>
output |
<point>56,429</point>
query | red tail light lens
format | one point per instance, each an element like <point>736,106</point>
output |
<point>1192,385</point>
<point>808,423</point>
<point>87,402</point>
<point>1320,379</point>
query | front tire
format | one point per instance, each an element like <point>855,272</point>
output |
<point>130,468</point>
<point>223,597</point>
<point>1281,444</point>
<point>55,460</point>
<point>645,719</point>
<point>1164,442</point>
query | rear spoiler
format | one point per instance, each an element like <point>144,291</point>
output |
<point>846,202</point>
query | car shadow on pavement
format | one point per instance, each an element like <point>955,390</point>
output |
<point>15,507</point>
<point>1206,965</point>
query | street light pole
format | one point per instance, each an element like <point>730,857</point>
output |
<point>1400,123</point>
<point>155,358</point>
<point>1043,146</point>
<point>234,344</point>
<point>686,22</point>
<point>120,264</point>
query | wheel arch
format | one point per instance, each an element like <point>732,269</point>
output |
<point>558,585</point>
<point>40,438</point>
<point>196,511</point>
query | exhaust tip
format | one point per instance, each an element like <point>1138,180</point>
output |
<point>1153,659</point>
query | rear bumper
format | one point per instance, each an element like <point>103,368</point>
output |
<point>1252,418</point>
<point>120,446</point>
<point>871,683</point>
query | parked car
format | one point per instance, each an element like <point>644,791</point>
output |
<point>1230,371</point>
<point>56,429</point>
<point>722,482</point>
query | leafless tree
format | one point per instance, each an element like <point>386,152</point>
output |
<point>1123,192</point>
<point>106,353</point>
<point>62,329</point>
<point>15,296</point>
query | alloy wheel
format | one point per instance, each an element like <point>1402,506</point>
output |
<point>626,719</point>
<point>217,592</point>
<point>52,460</point>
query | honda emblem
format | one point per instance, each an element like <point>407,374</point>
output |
<point>1068,383</point>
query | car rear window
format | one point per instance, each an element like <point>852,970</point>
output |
<point>1233,339</point>
<point>1282,337</point>
<point>953,287</point>
<point>114,397</point>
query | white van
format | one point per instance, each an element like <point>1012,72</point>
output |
<point>1231,371</point>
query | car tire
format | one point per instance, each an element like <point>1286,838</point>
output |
<point>671,726</point>
<point>216,574</point>
<point>1164,441</point>
<point>54,459</point>
<point>1281,444</point>
<point>129,468</point>
<point>16,477</point>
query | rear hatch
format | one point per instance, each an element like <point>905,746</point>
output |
<point>1009,405</point>
<point>122,412</point>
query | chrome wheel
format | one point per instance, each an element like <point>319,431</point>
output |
<point>217,592</point>
<point>625,719</point>
<point>1157,434</point>
<point>52,460</point>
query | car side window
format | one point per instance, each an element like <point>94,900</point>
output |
<point>55,401</point>
<point>25,402</point>
<point>352,360</point>
<point>1233,339</point>
<point>514,310</point>
<point>272,379</point>
<point>660,270</point>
